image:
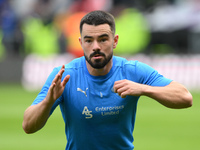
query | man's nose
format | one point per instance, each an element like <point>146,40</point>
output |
<point>96,46</point>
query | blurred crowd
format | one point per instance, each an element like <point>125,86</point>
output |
<point>47,27</point>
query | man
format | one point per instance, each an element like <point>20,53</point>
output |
<point>98,93</point>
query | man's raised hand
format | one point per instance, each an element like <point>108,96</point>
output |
<point>57,87</point>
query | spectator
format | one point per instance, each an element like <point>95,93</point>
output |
<point>11,35</point>
<point>41,35</point>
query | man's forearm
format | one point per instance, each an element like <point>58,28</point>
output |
<point>173,95</point>
<point>36,116</point>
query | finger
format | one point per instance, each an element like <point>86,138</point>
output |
<point>120,81</point>
<point>58,76</point>
<point>123,96</point>
<point>121,89</point>
<point>56,79</point>
<point>51,88</point>
<point>124,93</point>
<point>115,88</point>
<point>117,85</point>
<point>62,70</point>
<point>66,79</point>
<point>60,73</point>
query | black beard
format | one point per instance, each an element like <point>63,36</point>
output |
<point>98,64</point>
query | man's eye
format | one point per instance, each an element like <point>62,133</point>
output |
<point>88,41</point>
<point>103,40</point>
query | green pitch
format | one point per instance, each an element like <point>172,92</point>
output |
<point>156,128</point>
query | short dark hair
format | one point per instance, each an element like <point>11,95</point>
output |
<point>98,17</point>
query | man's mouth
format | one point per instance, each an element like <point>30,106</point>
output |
<point>98,56</point>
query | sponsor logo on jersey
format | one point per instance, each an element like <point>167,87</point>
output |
<point>104,111</point>
<point>87,113</point>
<point>107,111</point>
<point>84,92</point>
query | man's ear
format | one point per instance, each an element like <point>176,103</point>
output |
<point>80,40</point>
<point>115,41</point>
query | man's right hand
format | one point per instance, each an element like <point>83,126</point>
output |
<point>37,115</point>
<point>57,87</point>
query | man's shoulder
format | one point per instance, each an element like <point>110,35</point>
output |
<point>121,61</point>
<point>75,64</point>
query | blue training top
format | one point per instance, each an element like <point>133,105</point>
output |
<point>95,117</point>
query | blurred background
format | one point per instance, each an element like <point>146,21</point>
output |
<point>38,35</point>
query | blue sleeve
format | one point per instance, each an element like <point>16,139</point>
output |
<point>144,74</point>
<point>45,89</point>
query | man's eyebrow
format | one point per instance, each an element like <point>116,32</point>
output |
<point>103,35</point>
<point>85,37</point>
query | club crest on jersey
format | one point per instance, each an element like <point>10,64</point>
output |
<point>87,113</point>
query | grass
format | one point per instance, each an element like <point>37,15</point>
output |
<point>13,102</point>
<point>161,128</point>
<point>156,128</point>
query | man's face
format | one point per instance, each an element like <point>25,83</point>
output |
<point>98,43</point>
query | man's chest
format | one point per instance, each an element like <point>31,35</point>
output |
<point>94,101</point>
